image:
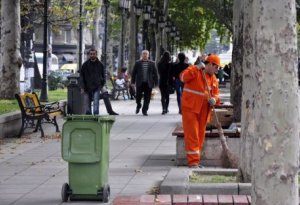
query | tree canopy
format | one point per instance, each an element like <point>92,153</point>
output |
<point>195,19</point>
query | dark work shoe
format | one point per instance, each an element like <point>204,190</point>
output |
<point>164,112</point>
<point>137,110</point>
<point>201,166</point>
<point>113,113</point>
<point>145,113</point>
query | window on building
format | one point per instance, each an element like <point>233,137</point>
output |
<point>67,36</point>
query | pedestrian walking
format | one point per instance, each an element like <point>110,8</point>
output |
<point>165,81</point>
<point>145,77</point>
<point>176,70</point>
<point>92,81</point>
<point>196,105</point>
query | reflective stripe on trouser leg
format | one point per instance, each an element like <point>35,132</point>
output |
<point>193,157</point>
<point>191,141</point>
<point>194,126</point>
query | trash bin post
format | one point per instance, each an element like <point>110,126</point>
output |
<point>75,97</point>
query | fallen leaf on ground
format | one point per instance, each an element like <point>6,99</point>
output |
<point>153,190</point>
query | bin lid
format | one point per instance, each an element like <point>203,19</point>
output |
<point>97,118</point>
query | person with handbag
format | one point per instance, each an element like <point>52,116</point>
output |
<point>165,82</point>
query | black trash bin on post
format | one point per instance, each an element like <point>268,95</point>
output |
<point>75,97</point>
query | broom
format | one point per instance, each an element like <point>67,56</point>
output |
<point>229,157</point>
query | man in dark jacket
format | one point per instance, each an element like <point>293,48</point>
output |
<point>92,80</point>
<point>145,77</point>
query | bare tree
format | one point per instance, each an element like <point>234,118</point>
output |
<point>10,57</point>
<point>271,106</point>
<point>96,30</point>
<point>132,37</point>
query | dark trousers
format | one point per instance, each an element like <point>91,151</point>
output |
<point>164,97</point>
<point>107,103</point>
<point>143,90</point>
<point>178,88</point>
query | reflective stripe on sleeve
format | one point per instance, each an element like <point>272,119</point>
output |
<point>192,152</point>
<point>193,91</point>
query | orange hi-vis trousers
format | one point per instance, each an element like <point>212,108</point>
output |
<point>194,126</point>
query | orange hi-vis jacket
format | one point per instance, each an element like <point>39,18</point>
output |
<point>196,110</point>
<point>195,91</point>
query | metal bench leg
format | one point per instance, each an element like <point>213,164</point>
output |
<point>37,125</point>
<point>42,131</point>
<point>22,128</point>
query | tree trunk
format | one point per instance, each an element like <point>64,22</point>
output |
<point>157,35</point>
<point>158,45</point>
<point>274,107</point>
<point>10,57</point>
<point>132,37</point>
<point>96,31</point>
<point>242,59</point>
<point>237,60</point>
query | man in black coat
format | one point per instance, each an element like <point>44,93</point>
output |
<point>145,77</point>
<point>92,80</point>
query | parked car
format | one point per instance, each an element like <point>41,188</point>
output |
<point>69,67</point>
<point>62,74</point>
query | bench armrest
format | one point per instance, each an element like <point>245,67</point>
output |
<point>33,109</point>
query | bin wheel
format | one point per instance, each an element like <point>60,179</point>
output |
<point>106,193</point>
<point>65,192</point>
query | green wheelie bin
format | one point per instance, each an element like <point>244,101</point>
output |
<point>85,146</point>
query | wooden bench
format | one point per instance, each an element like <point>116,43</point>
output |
<point>225,115</point>
<point>34,114</point>
<point>211,154</point>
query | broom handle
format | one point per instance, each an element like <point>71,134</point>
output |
<point>209,95</point>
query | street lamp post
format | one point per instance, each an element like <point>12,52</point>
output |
<point>44,90</point>
<point>177,38</point>
<point>153,23</point>
<point>104,48</point>
<point>168,30</point>
<point>138,9</point>
<point>172,34</point>
<point>80,35</point>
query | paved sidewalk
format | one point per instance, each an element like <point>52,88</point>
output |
<point>141,152</point>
